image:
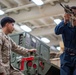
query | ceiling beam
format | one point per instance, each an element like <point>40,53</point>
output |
<point>19,2</point>
<point>34,23</point>
<point>47,11</point>
<point>42,21</point>
<point>43,31</point>
<point>34,14</point>
<point>6,3</point>
<point>25,6</point>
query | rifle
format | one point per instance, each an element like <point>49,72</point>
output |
<point>68,10</point>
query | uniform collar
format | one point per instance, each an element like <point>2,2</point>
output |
<point>6,36</point>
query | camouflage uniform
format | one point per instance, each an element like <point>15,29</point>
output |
<point>6,45</point>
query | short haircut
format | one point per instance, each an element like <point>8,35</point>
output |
<point>6,20</point>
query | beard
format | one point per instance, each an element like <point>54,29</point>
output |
<point>10,30</point>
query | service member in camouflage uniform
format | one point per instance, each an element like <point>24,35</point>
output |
<point>6,45</point>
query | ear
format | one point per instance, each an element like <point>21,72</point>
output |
<point>7,24</point>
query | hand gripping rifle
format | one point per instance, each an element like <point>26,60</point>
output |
<point>69,10</point>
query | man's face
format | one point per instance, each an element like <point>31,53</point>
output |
<point>10,27</point>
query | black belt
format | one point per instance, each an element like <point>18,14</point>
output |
<point>70,51</point>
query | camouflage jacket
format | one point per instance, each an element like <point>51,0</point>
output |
<point>6,45</point>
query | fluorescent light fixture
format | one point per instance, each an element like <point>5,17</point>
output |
<point>57,21</point>
<point>58,48</point>
<point>1,12</point>
<point>25,28</point>
<point>38,2</point>
<point>52,47</point>
<point>45,40</point>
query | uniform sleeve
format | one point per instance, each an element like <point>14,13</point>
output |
<point>18,49</point>
<point>59,29</point>
<point>2,69</point>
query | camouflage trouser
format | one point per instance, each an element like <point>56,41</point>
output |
<point>16,72</point>
<point>12,71</point>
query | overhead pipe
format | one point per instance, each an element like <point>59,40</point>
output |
<point>25,6</point>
